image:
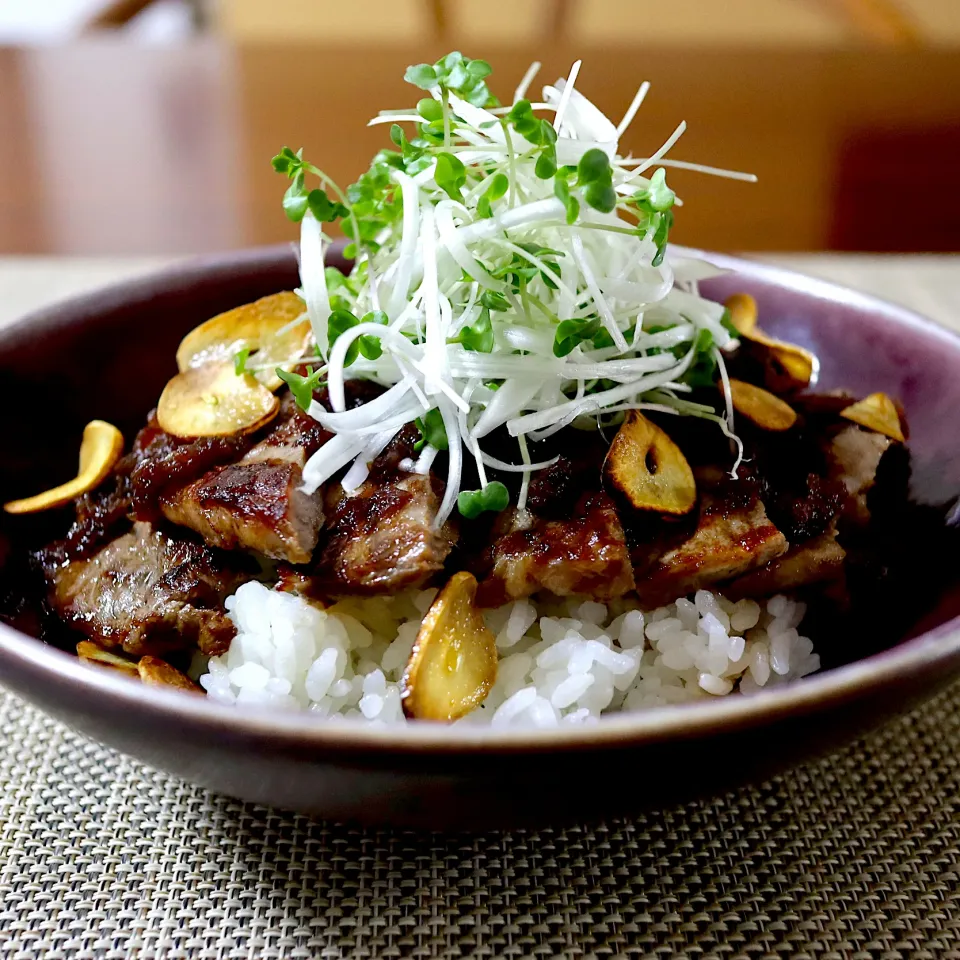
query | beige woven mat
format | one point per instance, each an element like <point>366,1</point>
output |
<point>855,856</point>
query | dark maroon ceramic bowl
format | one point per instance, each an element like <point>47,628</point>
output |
<point>108,355</point>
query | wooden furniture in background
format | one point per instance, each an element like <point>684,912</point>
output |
<point>821,23</point>
<point>110,148</point>
<point>117,14</point>
<point>879,21</point>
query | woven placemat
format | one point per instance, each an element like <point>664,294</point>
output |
<point>856,855</point>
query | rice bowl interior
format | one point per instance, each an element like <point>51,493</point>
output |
<point>565,661</point>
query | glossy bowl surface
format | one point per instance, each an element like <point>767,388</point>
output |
<point>108,355</point>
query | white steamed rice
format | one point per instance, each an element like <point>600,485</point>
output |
<point>565,661</point>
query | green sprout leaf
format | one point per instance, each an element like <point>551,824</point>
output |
<point>301,387</point>
<point>493,300</point>
<point>339,322</point>
<point>370,345</point>
<point>518,271</point>
<point>594,165</point>
<point>657,197</point>
<point>478,337</point>
<point>661,235</point>
<point>455,72</point>
<point>367,345</point>
<point>323,208</point>
<point>430,109</point>
<point>421,75</point>
<point>296,199</point>
<point>654,212</point>
<point>494,497</point>
<point>539,132</point>
<point>561,190</point>
<point>451,175</point>
<point>600,196</point>
<point>478,69</point>
<point>522,119</point>
<point>571,333</point>
<point>595,176</point>
<point>339,282</point>
<point>287,162</point>
<point>496,189</point>
<point>546,255</point>
<point>703,370</point>
<point>410,151</point>
<point>546,165</point>
<point>432,431</point>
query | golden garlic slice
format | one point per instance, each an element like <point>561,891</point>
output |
<point>453,664</point>
<point>789,367</point>
<point>100,449</point>
<point>212,401</point>
<point>266,326</point>
<point>649,469</point>
<point>743,312</point>
<point>158,673</point>
<point>792,367</point>
<point>877,413</point>
<point>761,407</point>
<point>89,652</point>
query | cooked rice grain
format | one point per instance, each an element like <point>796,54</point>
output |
<point>561,661</point>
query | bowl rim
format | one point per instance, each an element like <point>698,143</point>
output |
<point>299,730</point>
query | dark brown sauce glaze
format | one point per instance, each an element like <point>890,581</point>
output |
<point>159,461</point>
<point>896,569</point>
<point>382,539</point>
<point>583,554</point>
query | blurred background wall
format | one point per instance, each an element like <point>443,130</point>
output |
<point>139,126</point>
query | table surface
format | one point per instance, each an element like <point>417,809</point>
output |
<point>855,855</point>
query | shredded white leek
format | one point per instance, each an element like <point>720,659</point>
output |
<point>484,363</point>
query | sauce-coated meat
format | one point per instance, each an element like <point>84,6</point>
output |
<point>585,554</point>
<point>730,540</point>
<point>238,493</point>
<point>101,515</point>
<point>855,455</point>
<point>255,506</point>
<point>384,537</point>
<point>293,436</point>
<point>556,490</point>
<point>148,592</point>
<point>815,561</point>
<point>159,462</point>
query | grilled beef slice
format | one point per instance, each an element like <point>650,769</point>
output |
<point>383,537</point>
<point>159,462</point>
<point>854,456</point>
<point>583,554</point>
<point>733,536</point>
<point>101,515</point>
<point>149,591</point>
<point>236,492</point>
<point>568,540</point>
<point>815,561</point>
<point>250,506</point>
